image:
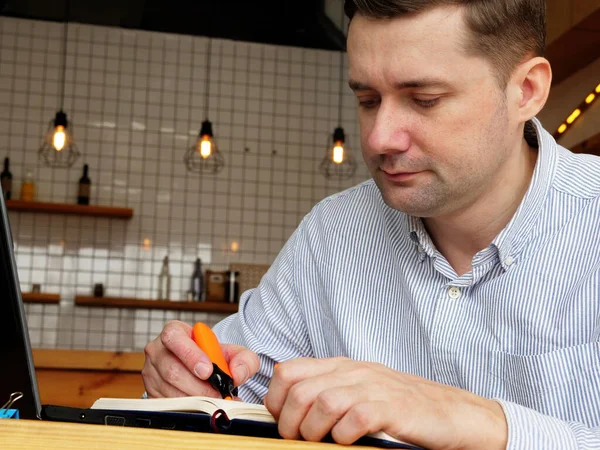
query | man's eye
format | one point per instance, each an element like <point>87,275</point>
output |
<point>426,103</point>
<point>368,104</point>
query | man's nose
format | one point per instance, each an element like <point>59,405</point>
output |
<point>389,133</point>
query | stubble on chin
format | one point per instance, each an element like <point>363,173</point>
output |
<point>426,199</point>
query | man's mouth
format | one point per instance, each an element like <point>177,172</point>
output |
<point>399,176</point>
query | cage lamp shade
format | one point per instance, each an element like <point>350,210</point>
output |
<point>204,154</point>
<point>58,148</point>
<point>338,161</point>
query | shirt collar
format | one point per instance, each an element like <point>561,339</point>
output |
<point>519,231</point>
<point>419,236</point>
<point>513,238</point>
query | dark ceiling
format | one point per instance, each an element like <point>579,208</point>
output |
<point>299,23</point>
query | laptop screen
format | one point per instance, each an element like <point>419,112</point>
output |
<point>17,373</point>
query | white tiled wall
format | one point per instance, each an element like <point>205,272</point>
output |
<point>136,100</point>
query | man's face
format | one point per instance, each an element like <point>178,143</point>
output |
<point>434,124</point>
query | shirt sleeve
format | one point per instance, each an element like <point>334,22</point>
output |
<point>270,321</point>
<point>529,429</point>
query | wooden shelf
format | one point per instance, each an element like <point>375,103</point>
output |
<point>38,297</point>
<point>133,303</point>
<point>66,208</point>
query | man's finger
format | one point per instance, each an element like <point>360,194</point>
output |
<point>174,374</point>
<point>329,406</point>
<point>292,372</point>
<point>177,338</point>
<point>151,380</point>
<point>359,420</point>
<point>306,395</point>
<point>157,388</point>
<point>243,363</point>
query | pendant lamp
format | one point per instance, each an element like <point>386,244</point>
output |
<point>58,148</point>
<point>338,161</point>
<point>204,155</point>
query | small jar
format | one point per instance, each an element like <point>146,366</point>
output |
<point>28,187</point>
<point>98,290</point>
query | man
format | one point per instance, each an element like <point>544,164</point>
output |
<point>453,300</point>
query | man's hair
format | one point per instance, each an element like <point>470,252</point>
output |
<point>504,31</point>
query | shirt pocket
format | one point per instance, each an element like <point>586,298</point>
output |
<point>563,383</point>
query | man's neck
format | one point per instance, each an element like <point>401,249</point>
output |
<point>461,235</point>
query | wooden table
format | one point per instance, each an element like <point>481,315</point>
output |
<point>37,434</point>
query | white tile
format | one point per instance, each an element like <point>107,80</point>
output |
<point>85,280</point>
<point>111,325</point>
<point>115,265</point>
<point>34,321</point>
<point>50,321</point>
<point>48,338</point>
<point>79,339</point>
<point>53,277</point>
<point>100,265</point>
<point>109,341</point>
<point>35,338</point>
<point>140,327</point>
<point>140,342</point>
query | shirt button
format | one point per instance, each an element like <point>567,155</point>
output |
<point>509,260</point>
<point>420,249</point>
<point>454,293</point>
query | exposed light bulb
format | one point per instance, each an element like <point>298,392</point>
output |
<point>205,146</point>
<point>59,139</point>
<point>573,116</point>
<point>235,246</point>
<point>338,152</point>
<point>598,89</point>
<point>562,128</point>
<point>590,98</point>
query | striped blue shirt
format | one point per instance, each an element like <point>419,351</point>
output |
<point>361,280</point>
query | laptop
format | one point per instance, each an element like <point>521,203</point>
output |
<point>18,374</point>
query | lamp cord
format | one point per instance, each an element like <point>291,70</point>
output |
<point>206,93</point>
<point>341,89</point>
<point>64,55</point>
<point>341,74</point>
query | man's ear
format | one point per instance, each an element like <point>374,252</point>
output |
<point>531,85</point>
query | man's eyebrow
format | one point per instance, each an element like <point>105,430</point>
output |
<point>421,83</point>
<point>358,86</point>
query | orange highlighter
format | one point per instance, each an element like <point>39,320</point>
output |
<point>220,379</point>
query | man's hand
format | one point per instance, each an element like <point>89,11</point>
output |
<point>176,367</point>
<point>310,397</point>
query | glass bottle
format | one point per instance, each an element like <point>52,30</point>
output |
<point>6,178</point>
<point>164,281</point>
<point>197,282</point>
<point>232,288</point>
<point>83,196</point>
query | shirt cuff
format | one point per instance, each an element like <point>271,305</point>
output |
<point>145,395</point>
<point>529,429</point>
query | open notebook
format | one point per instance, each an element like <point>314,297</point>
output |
<point>234,411</point>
